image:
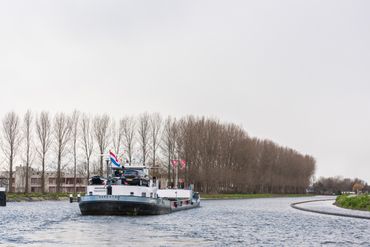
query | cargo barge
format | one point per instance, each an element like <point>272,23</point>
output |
<point>116,196</point>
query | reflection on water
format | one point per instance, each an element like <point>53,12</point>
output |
<point>262,222</point>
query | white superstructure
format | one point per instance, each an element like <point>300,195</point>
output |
<point>143,191</point>
<point>175,193</point>
<point>123,190</point>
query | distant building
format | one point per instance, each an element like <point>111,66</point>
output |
<point>34,181</point>
<point>4,180</point>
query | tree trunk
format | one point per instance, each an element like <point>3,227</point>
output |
<point>43,175</point>
<point>59,172</point>
<point>169,170</point>
<point>88,169</point>
<point>11,172</point>
<point>101,164</point>
<point>26,190</point>
<point>75,172</point>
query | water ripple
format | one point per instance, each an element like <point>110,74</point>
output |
<point>261,222</point>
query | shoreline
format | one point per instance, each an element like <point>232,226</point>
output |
<point>249,196</point>
<point>354,209</point>
<point>348,214</point>
<point>36,197</point>
<point>64,197</point>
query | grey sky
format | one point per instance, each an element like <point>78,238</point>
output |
<point>296,72</point>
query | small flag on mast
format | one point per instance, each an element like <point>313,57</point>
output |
<point>174,163</point>
<point>113,159</point>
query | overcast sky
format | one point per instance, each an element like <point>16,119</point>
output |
<point>296,72</point>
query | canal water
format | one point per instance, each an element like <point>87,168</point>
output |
<point>258,222</point>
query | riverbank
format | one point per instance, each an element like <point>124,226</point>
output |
<point>21,197</point>
<point>359,202</point>
<point>30,197</point>
<point>248,196</point>
<point>326,206</point>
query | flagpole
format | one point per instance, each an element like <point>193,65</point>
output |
<point>107,160</point>
<point>177,171</point>
<point>109,184</point>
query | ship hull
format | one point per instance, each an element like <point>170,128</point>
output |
<point>128,205</point>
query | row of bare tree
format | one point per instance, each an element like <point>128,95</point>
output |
<point>220,158</point>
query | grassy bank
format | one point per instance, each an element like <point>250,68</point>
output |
<point>248,196</point>
<point>360,202</point>
<point>18,197</point>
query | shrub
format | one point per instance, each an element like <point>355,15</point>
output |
<point>354,202</point>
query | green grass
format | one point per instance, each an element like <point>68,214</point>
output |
<point>248,196</point>
<point>36,196</point>
<point>360,202</point>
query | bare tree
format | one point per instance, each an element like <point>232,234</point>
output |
<point>169,144</point>
<point>12,138</point>
<point>127,125</point>
<point>87,140</point>
<point>74,132</point>
<point>43,130</point>
<point>143,133</point>
<point>62,134</point>
<point>101,131</point>
<point>117,136</point>
<point>28,137</point>
<point>219,157</point>
<point>155,132</point>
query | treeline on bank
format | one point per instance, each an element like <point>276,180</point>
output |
<point>222,158</point>
<point>338,185</point>
<point>216,157</point>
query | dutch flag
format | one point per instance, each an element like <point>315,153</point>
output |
<point>114,160</point>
